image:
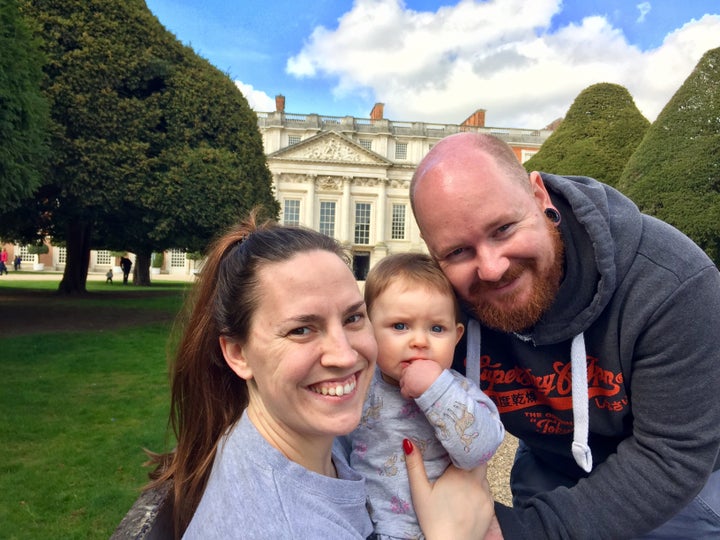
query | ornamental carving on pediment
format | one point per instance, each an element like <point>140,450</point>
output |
<point>400,184</point>
<point>296,178</point>
<point>329,183</point>
<point>333,150</point>
<point>367,182</point>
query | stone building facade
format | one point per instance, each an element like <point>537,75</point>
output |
<point>349,177</point>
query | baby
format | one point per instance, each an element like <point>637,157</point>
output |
<point>414,393</point>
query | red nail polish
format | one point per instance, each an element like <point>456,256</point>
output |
<point>407,446</point>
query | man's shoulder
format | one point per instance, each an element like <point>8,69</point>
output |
<point>669,250</point>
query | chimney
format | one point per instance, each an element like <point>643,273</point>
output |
<point>377,112</point>
<point>476,119</point>
<point>280,103</point>
<point>552,126</point>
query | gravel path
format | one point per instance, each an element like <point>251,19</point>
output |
<point>499,470</point>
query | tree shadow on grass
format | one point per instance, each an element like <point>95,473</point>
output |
<point>27,311</point>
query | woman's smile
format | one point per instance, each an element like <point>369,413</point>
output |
<point>336,388</point>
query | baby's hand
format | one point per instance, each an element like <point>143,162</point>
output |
<point>418,376</point>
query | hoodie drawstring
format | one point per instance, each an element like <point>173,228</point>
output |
<point>580,399</point>
<point>472,360</point>
<point>581,402</point>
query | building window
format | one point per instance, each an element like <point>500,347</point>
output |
<point>291,212</point>
<point>397,230</point>
<point>366,143</point>
<point>103,257</point>
<point>25,256</point>
<point>293,139</point>
<point>400,150</point>
<point>362,223</point>
<point>527,154</point>
<point>61,255</point>
<point>177,258</point>
<point>327,218</point>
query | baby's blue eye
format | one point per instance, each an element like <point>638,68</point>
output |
<point>400,326</point>
<point>437,328</point>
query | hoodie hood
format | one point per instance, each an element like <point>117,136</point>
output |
<point>601,230</point>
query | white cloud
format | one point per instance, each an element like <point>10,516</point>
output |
<point>644,8</point>
<point>495,55</point>
<point>257,99</point>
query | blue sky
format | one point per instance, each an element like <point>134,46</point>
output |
<point>523,61</point>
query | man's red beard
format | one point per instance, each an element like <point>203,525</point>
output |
<point>511,317</point>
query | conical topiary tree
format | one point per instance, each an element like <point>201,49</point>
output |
<point>675,172</point>
<point>601,130</point>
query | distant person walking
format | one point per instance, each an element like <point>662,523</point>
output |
<point>109,276</point>
<point>3,261</point>
<point>17,262</point>
<point>126,265</point>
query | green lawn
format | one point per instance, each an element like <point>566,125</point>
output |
<point>77,410</point>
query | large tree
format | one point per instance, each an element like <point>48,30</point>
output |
<point>211,167</point>
<point>675,172</point>
<point>23,109</point>
<point>125,122</point>
<point>601,130</point>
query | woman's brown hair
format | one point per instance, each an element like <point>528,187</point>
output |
<point>207,397</point>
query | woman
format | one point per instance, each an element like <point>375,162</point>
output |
<point>274,363</point>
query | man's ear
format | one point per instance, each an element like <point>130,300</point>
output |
<point>540,193</point>
<point>235,357</point>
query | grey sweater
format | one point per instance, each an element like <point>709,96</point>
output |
<point>646,300</point>
<point>255,492</point>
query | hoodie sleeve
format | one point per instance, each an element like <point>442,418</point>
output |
<point>668,331</point>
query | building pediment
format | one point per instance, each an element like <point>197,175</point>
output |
<point>329,147</point>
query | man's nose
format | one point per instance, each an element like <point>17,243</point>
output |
<point>490,264</point>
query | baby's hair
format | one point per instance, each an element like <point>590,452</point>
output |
<point>411,268</point>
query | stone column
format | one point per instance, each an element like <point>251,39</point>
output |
<point>346,224</point>
<point>276,187</point>
<point>381,217</point>
<point>310,202</point>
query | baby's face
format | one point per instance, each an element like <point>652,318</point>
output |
<point>412,323</point>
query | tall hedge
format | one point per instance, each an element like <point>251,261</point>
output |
<point>601,130</point>
<point>675,172</point>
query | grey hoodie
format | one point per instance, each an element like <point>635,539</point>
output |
<point>644,302</point>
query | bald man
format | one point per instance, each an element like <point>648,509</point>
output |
<point>593,327</point>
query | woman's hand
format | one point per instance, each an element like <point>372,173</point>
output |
<point>458,505</point>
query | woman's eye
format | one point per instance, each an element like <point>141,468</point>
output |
<point>400,326</point>
<point>357,317</point>
<point>302,331</point>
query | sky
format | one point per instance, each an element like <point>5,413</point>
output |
<point>522,61</point>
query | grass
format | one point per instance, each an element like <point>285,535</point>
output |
<point>77,410</point>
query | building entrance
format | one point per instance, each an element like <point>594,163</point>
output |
<point>361,265</point>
